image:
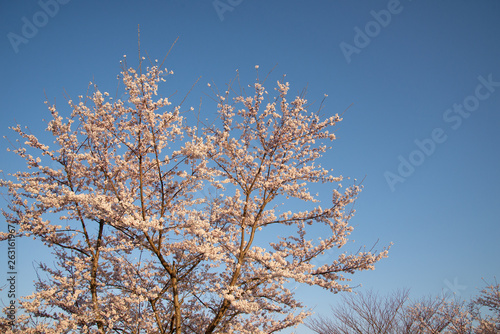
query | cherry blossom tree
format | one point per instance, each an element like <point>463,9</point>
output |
<point>489,298</point>
<point>138,248</point>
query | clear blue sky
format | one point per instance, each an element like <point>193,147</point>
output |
<point>429,73</point>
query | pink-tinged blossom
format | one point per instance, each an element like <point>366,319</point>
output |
<point>139,249</point>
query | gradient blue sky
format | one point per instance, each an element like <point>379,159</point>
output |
<point>403,82</point>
